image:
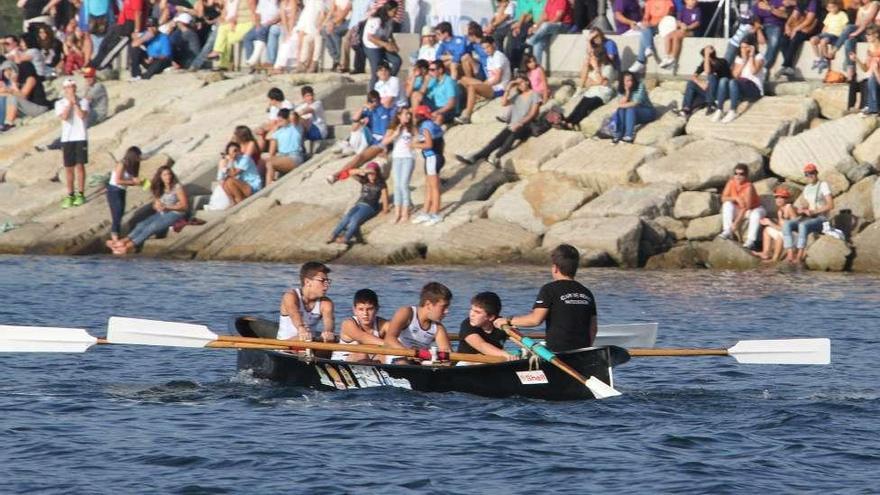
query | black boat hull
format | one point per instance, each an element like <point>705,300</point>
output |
<point>513,378</point>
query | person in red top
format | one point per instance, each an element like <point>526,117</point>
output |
<point>557,18</point>
<point>655,11</point>
<point>739,201</point>
<point>129,22</point>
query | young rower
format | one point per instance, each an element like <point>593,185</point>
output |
<point>477,335</point>
<point>364,327</point>
<point>307,312</point>
<point>419,327</point>
<point>568,308</point>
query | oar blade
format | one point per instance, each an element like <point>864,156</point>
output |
<point>44,339</point>
<point>789,351</point>
<point>643,335</point>
<point>154,332</point>
<point>600,389</point>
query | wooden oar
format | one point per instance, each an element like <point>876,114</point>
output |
<point>622,335</point>
<point>165,333</point>
<point>598,388</point>
<point>787,351</point>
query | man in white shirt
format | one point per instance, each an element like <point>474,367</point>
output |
<point>311,111</point>
<point>388,86</point>
<point>74,141</point>
<point>498,75</point>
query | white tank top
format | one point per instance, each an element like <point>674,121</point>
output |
<point>286,328</point>
<point>343,355</point>
<point>125,176</point>
<point>414,336</point>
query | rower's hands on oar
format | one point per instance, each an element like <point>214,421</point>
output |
<point>328,336</point>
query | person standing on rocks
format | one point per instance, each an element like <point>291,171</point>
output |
<point>73,113</point>
<point>739,201</point>
<point>430,140</point>
<point>813,205</point>
<point>124,174</point>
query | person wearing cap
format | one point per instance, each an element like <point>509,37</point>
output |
<point>430,140</point>
<point>814,203</point>
<point>428,45</point>
<point>373,199</point>
<point>740,201</point>
<point>150,50</point>
<point>185,44</point>
<point>772,240</point>
<point>497,77</point>
<point>24,94</point>
<point>74,142</point>
<point>334,31</point>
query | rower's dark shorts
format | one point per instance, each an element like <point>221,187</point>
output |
<point>75,152</point>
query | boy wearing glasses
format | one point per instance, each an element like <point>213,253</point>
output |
<point>307,312</point>
<point>739,201</point>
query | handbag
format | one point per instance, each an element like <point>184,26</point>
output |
<point>608,129</point>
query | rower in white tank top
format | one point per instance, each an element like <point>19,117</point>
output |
<point>414,336</point>
<point>311,318</point>
<point>343,355</point>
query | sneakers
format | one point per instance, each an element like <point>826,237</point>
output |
<point>729,117</point>
<point>716,117</point>
<point>637,67</point>
<point>421,218</point>
<point>710,109</point>
<point>726,235</point>
<point>79,199</point>
<point>667,63</point>
<point>67,202</point>
<point>749,245</point>
<point>433,220</point>
<point>6,127</point>
<point>649,52</point>
<point>463,119</point>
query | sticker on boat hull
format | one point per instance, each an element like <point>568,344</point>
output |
<point>532,377</point>
<point>394,382</point>
<point>366,376</point>
<point>346,375</point>
<point>325,380</point>
<point>336,378</point>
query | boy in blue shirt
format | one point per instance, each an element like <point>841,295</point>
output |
<point>375,119</point>
<point>451,49</point>
<point>285,146</point>
<point>151,49</point>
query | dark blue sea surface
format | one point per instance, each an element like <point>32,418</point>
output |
<point>132,419</point>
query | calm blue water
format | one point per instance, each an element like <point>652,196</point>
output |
<point>125,419</point>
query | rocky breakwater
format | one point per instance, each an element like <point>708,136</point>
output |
<point>651,204</point>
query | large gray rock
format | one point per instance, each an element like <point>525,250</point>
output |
<point>684,256</point>
<point>539,201</point>
<point>655,240</point>
<point>468,139</point>
<point>700,229</point>
<point>828,146</point>
<point>529,156</point>
<point>729,255</point>
<point>676,229</point>
<point>483,240</point>
<point>858,200</point>
<point>650,201</point>
<point>694,204</point>
<point>761,125</point>
<point>661,130</point>
<point>868,151</point>
<point>867,247</point>
<point>831,99</point>
<point>795,88</point>
<point>875,199</point>
<point>619,237</point>
<point>702,164</point>
<point>828,254</point>
<point>599,164</point>
<point>487,113</point>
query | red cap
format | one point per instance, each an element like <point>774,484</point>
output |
<point>372,166</point>
<point>810,168</point>
<point>89,72</point>
<point>423,111</point>
<point>781,192</point>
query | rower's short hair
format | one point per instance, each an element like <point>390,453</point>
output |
<point>366,296</point>
<point>311,268</point>
<point>566,258</point>
<point>275,94</point>
<point>434,292</point>
<point>488,302</point>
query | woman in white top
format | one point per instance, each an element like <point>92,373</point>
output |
<point>378,42</point>
<point>308,29</point>
<point>400,135</point>
<point>124,174</point>
<point>747,82</point>
<point>255,41</point>
<point>288,42</point>
<point>365,327</point>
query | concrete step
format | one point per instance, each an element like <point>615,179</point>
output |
<point>336,117</point>
<point>355,102</point>
<point>337,132</point>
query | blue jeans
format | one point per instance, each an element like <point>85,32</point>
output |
<point>401,171</point>
<point>200,59</point>
<point>376,56</point>
<point>848,44</point>
<point>258,33</point>
<point>646,40</point>
<point>272,42</point>
<point>154,224</point>
<point>872,97</point>
<point>804,228</point>
<point>116,201</point>
<point>774,36</point>
<point>352,221</point>
<point>695,96</point>
<point>543,36</point>
<point>627,119</point>
<point>736,89</point>
<point>333,41</point>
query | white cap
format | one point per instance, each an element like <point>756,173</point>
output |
<point>184,18</point>
<point>68,83</point>
<point>427,31</point>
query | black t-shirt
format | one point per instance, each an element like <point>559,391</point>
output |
<point>719,68</point>
<point>572,310</point>
<point>38,94</point>
<point>496,338</point>
<point>34,8</point>
<point>371,193</point>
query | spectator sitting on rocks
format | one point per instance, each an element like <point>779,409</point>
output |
<point>440,93</point>
<point>311,114</point>
<point>416,82</point>
<point>267,15</point>
<point>388,86</point>
<point>747,82</point>
<point>285,146</point>
<point>73,113</point>
<point>768,20</point>
<point>597,78</point>
<point>51,49</point>
<point>526,106</point>
<point>537,77</point>
<point>276,103</point>
<point>799,27</point>
<point>428,45</point>
<point>557,18</point>
<point>688,21</point>
<point>378,40</point>
<point>238,21</point>
<point>24,94</point>
<point>170,204</point>
<point>30,52</point>
<point>372,200</point>
<point>185,44</point>
<point>376,118</point>
<point>813,205</point>
<point>740,201</point>
<point>473,62</point>
<point>240,176</point>
<point>700,92</point>
<point>433,146</point>
<point>527,13</point>
<point>74,53</point>
<point>451,49</point>
<point>772,240</point>
<point>823,44</point>
<point>152,50</point>
<point>627,14</point>
<point>871,68</point>
<point>854,33</point>
<point>498,69</point>
<point>633,109</point>
<point>500,23</point>
<point>655,11</point>
<point>360,136</point>
<point>596,38</point>
<point>249,146</point>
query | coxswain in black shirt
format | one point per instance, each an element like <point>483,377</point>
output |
<point>477,335</point>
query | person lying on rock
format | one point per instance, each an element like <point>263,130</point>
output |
<point>365,327</point>
<point>813,206</point>
<point>739,201</point>
<point>772,241</point>
<point>477,334</point>
<point>372,200</point>
<point>420,327</point>
<point>170,204</point>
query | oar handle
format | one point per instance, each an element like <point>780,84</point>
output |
<point>677,352</point>
<point>542,352</point>
<point>453,337</point>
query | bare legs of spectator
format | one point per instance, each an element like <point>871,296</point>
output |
<point>237,190</point>
<point>281,164</point>
<point>469,66</point>
<point>473,88</point>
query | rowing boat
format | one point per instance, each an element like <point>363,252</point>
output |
<point>524,377</point>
